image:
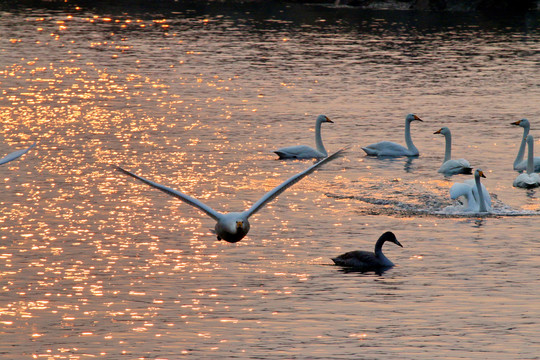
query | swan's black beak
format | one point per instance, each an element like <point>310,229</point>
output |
<point>516,123</point>
<point>438,131</point>
<point>398,243</point>
<point>417,118</point>
<point>328,120</point>
<point>482,174</point>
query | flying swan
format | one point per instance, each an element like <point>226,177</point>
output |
<point>452,166</point>
<point>232,227</point>
<point>388,148</point>
<point>478,198</point>
<point>16,154</point>
<point>304,151</point>
<point>530,179</point>
<point>519,163</point>
<point>366,260</point>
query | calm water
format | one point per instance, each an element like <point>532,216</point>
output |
<point>96,265</point>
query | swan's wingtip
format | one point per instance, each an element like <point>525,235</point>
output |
<point>119,168</point>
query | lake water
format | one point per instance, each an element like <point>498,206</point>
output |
<point>96,265</point>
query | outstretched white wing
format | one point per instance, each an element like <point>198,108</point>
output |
<point>185,198</point>
<point>15,154</point>
<point>272,194</point>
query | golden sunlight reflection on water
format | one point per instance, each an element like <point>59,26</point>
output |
<point>94,264</point>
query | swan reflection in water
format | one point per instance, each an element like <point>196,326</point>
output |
<point>364,261</point>
<point>232,227</point>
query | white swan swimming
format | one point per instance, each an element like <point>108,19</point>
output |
<point>520,164</point>
<point>392,149</point>
<point>529,179</point>
<point>232,227</point>
<point>304,151</point>
<point>16,154</point>
<point>475,192</point>
<point>366,260</point>
<point>465,190</point>
<point>452,166</point>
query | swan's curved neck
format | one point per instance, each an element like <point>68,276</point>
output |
<point>481,201</point>
<point>448,148</point>
<point>378,247</point>
<point>318,138</point>
<point>521,151</point>
<point>408,139</point>
<point>530,158</point>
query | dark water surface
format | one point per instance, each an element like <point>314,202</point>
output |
<point>95,265</point>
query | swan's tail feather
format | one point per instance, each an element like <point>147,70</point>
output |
<point>282,155</point>
<point>369,151</point>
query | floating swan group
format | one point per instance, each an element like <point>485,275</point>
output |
<point>234,226</point>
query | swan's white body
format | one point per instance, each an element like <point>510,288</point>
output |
<point>530,179</point>
<point>366,260</point>
<point>465,190</point>
<point>392,149</point>
<point>452,166</point>
<point>519,163</point>
<point>478,198</point>
<point>16,154</point>
<point>304,151</point>
<point>232,227</point>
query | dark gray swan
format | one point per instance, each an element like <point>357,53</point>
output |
<point>367,260</point>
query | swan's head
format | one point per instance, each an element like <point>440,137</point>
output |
<point>524,123</point>
<point>412,117</point>
<point>479,173</point>
<point>389,236</point>
<point>443,131</point>
<point>239,224</point>
<point>232,227</point>
<point>323,118</point>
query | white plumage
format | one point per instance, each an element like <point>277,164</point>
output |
<point>392,149</point>
<point>452,166</point>
<point>304,151</point>
<point>530,179</point>
<point>232,227</point>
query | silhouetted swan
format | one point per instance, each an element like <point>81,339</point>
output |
<point>452,166</point>
<point>304,151</point>
<point>529,179</point>
<point>232,227</point>
<point>366,260</point>
<point>16,154</point>
<point>392,149</point>
<point>519,163</point>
